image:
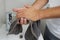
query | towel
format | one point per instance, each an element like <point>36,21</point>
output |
<point>32,33</point>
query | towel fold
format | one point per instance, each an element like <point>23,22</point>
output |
<point>32,33</point>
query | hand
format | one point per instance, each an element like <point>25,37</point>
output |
<point>21,20</point>
<point>29,13</point>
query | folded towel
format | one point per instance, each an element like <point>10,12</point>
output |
<point>32,33</point>
<point>15,28</point>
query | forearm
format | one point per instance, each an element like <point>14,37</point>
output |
<point>51,13</point>
<point>39,3</point>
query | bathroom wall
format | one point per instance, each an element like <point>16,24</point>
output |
<point>10,4</point>
<point>2,10</point>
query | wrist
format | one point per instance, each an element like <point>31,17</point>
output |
<point>42,14</point>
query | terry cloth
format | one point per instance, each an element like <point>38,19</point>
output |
<point>33,31</point>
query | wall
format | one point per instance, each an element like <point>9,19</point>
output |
<point>10,4</point>
<point>2,15</point>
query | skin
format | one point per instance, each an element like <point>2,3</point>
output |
<point>35,12</point>
<point>38,4</point>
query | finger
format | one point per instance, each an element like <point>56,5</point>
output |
<point>27,6</point>
<point>21,21</point>
<point>18,22</point>
<point>18,9</point>
<point>25,21</point>
<point>19,15</point>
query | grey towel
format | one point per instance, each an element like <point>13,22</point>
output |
<point>15,28</point>
<point>32,33</point>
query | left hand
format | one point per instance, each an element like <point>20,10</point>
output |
<point>29,13</point>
